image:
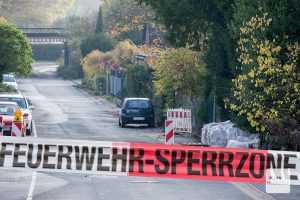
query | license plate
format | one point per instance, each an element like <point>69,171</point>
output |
<point>138,118</point>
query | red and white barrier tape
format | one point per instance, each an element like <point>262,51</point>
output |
<point>148,160</point>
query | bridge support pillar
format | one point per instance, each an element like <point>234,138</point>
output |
<point>66,54</point>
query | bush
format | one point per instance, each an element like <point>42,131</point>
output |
<point>93,64</point>
<point>138,81</point>
<point>98,84</point>
<point>71,72</point>
<point>101,42</point>
<point>4,88</point>
<point>284,134</point>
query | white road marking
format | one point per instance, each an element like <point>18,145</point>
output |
<point>34,174</point>
<point>252,191</point>
<point>142,181</point>
<point>31,189</point>
<point>34,129</point>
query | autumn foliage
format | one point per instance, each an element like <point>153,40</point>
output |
<point>267,89</point>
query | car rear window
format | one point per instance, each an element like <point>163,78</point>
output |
<point>8,109</point>
<point>136,104</point>
<point>9,79</point>
<point>20,101</point>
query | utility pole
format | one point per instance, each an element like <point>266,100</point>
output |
<point>214,107</point>
<point>214,99</point>
<point>107,81</point>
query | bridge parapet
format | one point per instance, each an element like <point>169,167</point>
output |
<point>45,35</point>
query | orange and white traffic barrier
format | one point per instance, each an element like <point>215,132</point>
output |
<point>169,132</point>
<point>182,119</point>
<point>16,130</point>
<point>17,125</point>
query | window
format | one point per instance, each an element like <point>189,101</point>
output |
<point>136,104</point>
<point>20,101</point>
<point>9,79</point>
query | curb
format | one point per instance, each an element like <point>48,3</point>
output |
<point>86,93</point>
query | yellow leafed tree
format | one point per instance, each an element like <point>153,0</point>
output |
<point>269,84</point>
<point>93,63</point>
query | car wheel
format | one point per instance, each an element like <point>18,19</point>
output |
<point>28,132</point>
<point>122,123</point>
<point>119,122</point>
<point>151,124</point>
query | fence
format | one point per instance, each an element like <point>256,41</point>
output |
<point>116,85</point>
<point>182,119</point>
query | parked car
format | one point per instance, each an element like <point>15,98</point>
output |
<point>7,111</point>
<point>137,111</point>
<point>9,80</point>
<point>24,105</point>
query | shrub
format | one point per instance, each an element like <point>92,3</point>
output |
<point>4,88</point>
<point>71,72</point>
<point>93,64</point>
<point>284,134</point>
<point>100,41</point>
<point>138,81</point>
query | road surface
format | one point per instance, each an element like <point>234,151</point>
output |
<point>65,112</point>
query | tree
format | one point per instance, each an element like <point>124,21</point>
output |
<point>202,25</point>
<point>15,51</point>
<point>31,13</point>
<point>100,25</point>
<point>93,64</point>
<point>125,53</point>
<point>79,27</point>
<point>128,20</point>
<point>188,22</point>
<point>179,71</point>
<point>100,41</point>
<point>266,91</point>
<point>138,81</point>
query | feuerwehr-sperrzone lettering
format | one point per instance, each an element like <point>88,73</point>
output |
<point>145,159</point>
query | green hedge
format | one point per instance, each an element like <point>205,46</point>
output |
<point>101,42</point>
<point>72,72</point>
<point>138,81</point>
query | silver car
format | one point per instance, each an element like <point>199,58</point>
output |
<point>24,105</point>
<point>10,81</point>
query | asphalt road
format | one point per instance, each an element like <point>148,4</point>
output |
<point>65,112</point>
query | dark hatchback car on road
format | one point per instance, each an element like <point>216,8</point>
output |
<point>137,111</point>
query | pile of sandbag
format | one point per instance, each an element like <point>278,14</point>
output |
<point>224,134</point>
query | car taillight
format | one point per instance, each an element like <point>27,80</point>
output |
<point>25,115</point>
